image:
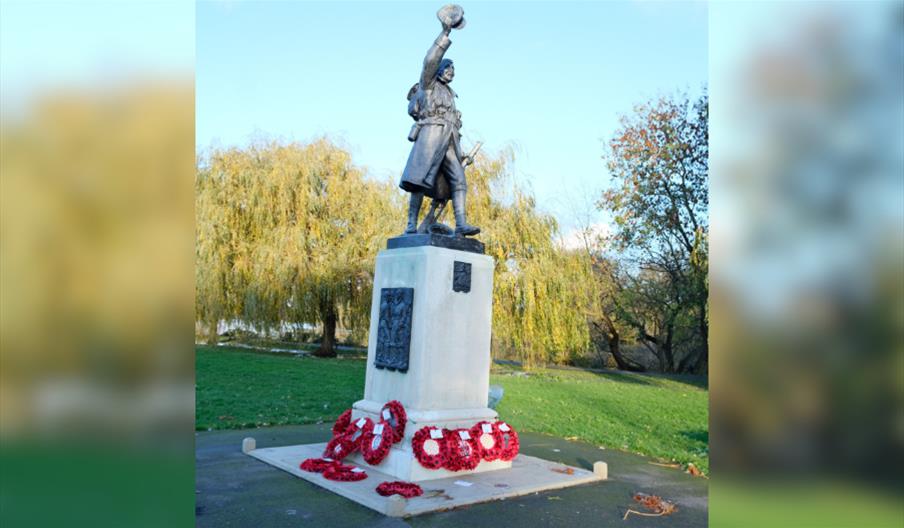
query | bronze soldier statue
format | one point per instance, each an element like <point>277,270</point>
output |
<point>435,166</point>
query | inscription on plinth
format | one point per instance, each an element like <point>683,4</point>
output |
<point>394,330</point>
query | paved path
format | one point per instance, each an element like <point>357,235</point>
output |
<point>233,489</point>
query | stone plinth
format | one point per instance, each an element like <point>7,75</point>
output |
<point>442,299</point>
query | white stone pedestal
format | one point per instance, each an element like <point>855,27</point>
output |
<point>447,381</point>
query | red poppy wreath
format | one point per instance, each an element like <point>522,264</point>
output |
<point>394,413</point>
<point>342,422</point>
<point>489,440</point>
<point>464,453</point>
<point>347,443</point>
<point>509,443</point>
<point>318,465</point>
<point>405,489</point>
<point>375,443</point>
<point>357,428</point>
<point>344,473</point>
<point>339,447</point>
<point>429,446</point>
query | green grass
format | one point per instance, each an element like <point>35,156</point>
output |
<point>102,482</point>
<point>238,388</point>
<point>795,501</point>
<point>652,415</point>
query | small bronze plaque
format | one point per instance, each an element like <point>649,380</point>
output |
<point>461,277</point>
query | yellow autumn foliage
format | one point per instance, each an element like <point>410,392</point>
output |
<point>288,232</point>
<point>540,293</point>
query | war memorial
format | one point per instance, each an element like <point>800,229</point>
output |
<point>423,437</point>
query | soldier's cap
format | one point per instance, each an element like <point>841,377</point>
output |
<point>452,15</point>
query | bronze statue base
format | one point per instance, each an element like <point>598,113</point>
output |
<point>431,239</point>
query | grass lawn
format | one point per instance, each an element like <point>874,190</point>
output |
<point>237,388</point>
<point>650,415</point>
<point>656,416</point>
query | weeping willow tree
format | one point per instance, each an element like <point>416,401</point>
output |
<point>287,233</point>
<point>540,295</point>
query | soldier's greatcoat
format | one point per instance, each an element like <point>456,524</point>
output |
<point>437,143</point>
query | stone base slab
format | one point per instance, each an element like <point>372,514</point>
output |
<point>527,475</point>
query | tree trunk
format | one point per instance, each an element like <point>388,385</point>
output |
<point>613,340</point>
<point>702,363</point>
<point>328,341</point>
<point>653,346</point>
<point>213,336</point>
<point>623,363</point>
<point>686,365</point>
<point>667,350</point>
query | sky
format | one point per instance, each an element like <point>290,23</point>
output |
<point>72,45</point>
<point>549,80</point>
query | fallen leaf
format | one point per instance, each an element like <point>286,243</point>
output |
<point>571,438</point>
<point>630,511</point>
<point>554,498</point>
<point>438,493</point>
<point>655,504</point>
<point>564,471</point>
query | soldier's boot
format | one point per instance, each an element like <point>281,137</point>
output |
<point>462,227</point>
<point>414,208</point>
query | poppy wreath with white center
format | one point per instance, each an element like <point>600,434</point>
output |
<point>375,447</point>
<point>354,432</point>
<point>342,422</point>
<point>405,489</point>
<point>343,473</point>
<point>318,465</point>
<point>339,447</point>
<point>397,419</point>
<point>463,454</point>
<point>509,442</point>
<point>418,445</point>
<point>347,443</point>
<point>493,451</point>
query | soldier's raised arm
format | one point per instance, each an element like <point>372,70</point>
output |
<point>451,17</point>
<point>434,57</point>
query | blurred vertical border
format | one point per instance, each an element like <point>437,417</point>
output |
<point>807,302</point>
<point>96,268</point>
<point>96,265</point>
